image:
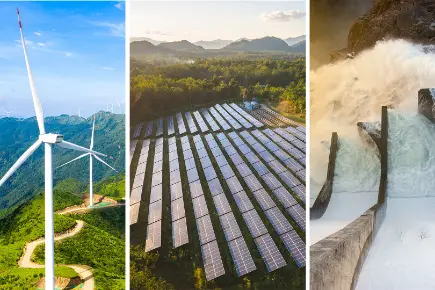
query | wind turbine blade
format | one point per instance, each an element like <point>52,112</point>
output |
<point>92,137</point>
<point>36,102</point>
<point>69,145</point>
<point>102,161</point>
<point>20,161</point>
<point>77,158</point>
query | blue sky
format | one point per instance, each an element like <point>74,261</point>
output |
<point>194,21</point>
<point>76,51</point>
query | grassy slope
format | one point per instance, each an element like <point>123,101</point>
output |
<point>24,225</point>
<point>100,244</point>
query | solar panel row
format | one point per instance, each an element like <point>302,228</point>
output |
<point>290,138</point>
<point>149,129</point>
<point>170,122</point>
<point>137,130</point>
<point>227,219</point>
<point>219,119</point>
<point>159,131</point>
<point>295,132</point>
<point>180,122</point>
<point>133,145</point>
<point>227,117</point>
<point>190,123</point>
<point>237,116</point>
<point>248,117</point>
<point>214,127</point>
<point>201,123</point>
<point>287,146</point>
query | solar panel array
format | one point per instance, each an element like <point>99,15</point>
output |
<point>210,251</point>
<point>237,116</point>
<point>201,123</point>
<point>285,175</point>
<point>212,123</point>
<point>154,228</point>
<point>138,181</point>
<point>219,119</point>
<point>292,139</point>
<point>274,215</point>
<point>234,124</point>
<point>159,131</point>
<point>240,253</point>
<point>287,146</point>
<point>248,117</point>
<point>137,130</point>
<point>133,145</point>
<point>179,227</point>
<point>190,123</point>
<point>180,122</point>
<point>171,128</point>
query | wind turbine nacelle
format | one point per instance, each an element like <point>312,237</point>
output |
<point>51,138</point>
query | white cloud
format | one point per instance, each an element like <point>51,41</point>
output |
<point>67,53</point>
<point>107,68</point>
<point>38,33</point>
<point>120,6</point>
<point>282,16</point>
<point>115,29</point>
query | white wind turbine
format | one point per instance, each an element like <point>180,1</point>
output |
<point>8,113</point>
<point>48,139</point>
<point>79,113</point>
<point>91,202</point>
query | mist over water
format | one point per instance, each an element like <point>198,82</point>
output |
<point>354,90</point>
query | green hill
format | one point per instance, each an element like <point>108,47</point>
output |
<point>100,244</point>
<point>16,135</point>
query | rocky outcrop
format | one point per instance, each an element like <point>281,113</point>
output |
<point>412,20</point>
<point>370,131</point>
<point>426,104</point>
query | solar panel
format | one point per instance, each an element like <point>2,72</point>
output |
<point>143,158</point>
<point>253,183</point>
<point>278,220</point>
<point>157,167</point>
<point>195,189</point>
<point>187,154</point>
<point>244,169</point>
<point>159,141</point>
<point>205,162</point>
<point>241,256</point>
<point>225,142</point>
<point>155,212</point>
<point>281,155</point>
<point>158,156</point>
<point>159,130</point>
<point>234,185</point>
<point>138,180</point>
<point>172,147</point>
<point>230,227</point>
<point>134,213</point>
<point>230,150</point>
<point>221,136</point>
<point>177,209</point>
<point>252,158</point>
<point>270,253</point>
<point>173,155</point>
<point>213,265</point>
<point>136,195</point>
<point>267,157</point>
<point>298,214</point>
<point>233,135</point>
<point>210,173</point>
<point>192,175</point>
<point>212,143</point>
<point>284,197</point>
<point>300,191</point>
<point>199,206</point>
<point>243,202</point>
<point>205,229</point>
<point>272,146</point>
<point>271,181</point>
<point>301,128</point>
<point>174,165</point>
<point>137,130</point>
<point>221,204</point>
<point>227,171</point>
<point>236,159</point>
<point>296,247</point>
<point>216,152</point>
<point>154,236</point>
<point>255,225</point>
<point>176,191</point>
<point>184,139</point>
<point>156,179</point>
<point>174,177</point>
<point>159,148</point>
<point>190,164</point>
<point>215,187</point>
<point>141,168</point>
<point>156,194</point>
<point>260,168</point>
<point>179,233</point>
<point>265,201</point>
<point>277,166</point>
<point>238,141</point>
<point>185,145</point>
<point>202,153</point>
<point>221,160</point>
<point>244,149</point>
<point>301,174</point>
<point>199,145</point>
<point>149,129</point>
<point>289,179</point>
<point>209,137</point>
<point>258,147</point>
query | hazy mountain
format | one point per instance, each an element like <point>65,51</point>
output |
<point>213,44</point>
<point>16,136</point>
<point>262,44</point>
<point>146,47</point>
<point>293,40</point>
<point>182,45</point>
<point>150,40</point>
<point>298,47</point>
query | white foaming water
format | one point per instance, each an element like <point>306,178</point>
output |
<point>411,156</point>
<point>354,90</point>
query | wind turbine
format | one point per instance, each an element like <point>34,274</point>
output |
<point>48,139</point>
<point>112,109</point>
<point>91,202</point>
<point>79,113</point>
<point>8,113</point>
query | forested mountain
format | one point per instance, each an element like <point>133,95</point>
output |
<point>17,135</point>
<point>261,44</point>
<point>182,45</point>
<point>294,40</point>
<point>213,44</point>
